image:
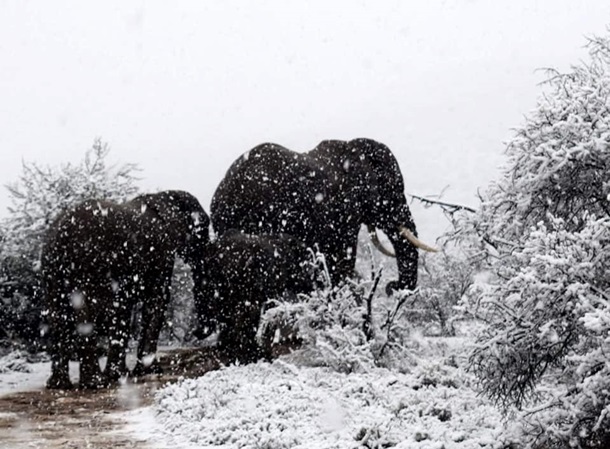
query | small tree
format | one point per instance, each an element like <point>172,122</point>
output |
<point>37,197</point>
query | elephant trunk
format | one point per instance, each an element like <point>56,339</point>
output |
<point>406,260</point>
<point>405,247</point>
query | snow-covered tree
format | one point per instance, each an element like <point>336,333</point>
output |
<point>545,227</point>
<point>36,197</point>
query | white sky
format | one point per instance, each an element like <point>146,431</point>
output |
<point>183,88</point>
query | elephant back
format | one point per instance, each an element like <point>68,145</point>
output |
<point>270,190</point>
<point>174,217</point>
<point>262,265</point>
<point>87,233</point>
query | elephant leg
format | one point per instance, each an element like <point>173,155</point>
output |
<point>341,256</point>
<point>91,376</point>
<point>153,316</point>
<point>118,338</point>
<point>86,340</point>
<point>60,375</point>
<point>60,327</point>
<point>60,378</point>
<point>238,337</point>
<point>207,321</point>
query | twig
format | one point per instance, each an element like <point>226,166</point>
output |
<point>368,319</point>
<point>443,204</point>
<point>392,315</point>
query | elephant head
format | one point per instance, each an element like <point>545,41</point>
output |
<point>373,182</point>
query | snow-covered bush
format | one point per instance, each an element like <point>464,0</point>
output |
<point>444,278</point>
<point>37,196</point>
<point>552,305</point>
<point>279,405</point>
<point>350,327</point>
<point>14,361</point>
<point>545,229</point>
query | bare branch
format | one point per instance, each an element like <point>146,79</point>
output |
<point>444,205</point>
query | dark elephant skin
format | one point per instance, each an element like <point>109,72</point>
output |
<point>242,272</point>
<point>322,197</point>
<point>100,259</point>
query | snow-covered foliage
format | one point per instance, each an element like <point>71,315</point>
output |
<point>37,196</point>
<point>14,361</point>
<point>281,405</point>
<point>41,192</point>
<point>558,161</point>
<point>355,327</point>
<point>545,228</point>
<point>444,279</point>
<point>349,327</point>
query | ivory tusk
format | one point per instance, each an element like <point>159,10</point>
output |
<point>378,244</point>
<point>415,241</point>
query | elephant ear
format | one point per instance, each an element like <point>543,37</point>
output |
<point>379,159</point>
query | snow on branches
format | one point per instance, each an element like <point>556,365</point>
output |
<point>559,159</point>
<point>546,224</point>
<point>41,192</point>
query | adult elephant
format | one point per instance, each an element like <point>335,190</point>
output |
<point>323,197</point>
<point>100,259</point>
<point>243,271</point>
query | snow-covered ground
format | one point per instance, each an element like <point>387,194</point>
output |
<point>17,374</point>
<point>286,404</point>
<point>281,406</point>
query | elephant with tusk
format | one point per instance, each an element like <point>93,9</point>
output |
<point>322,197</point>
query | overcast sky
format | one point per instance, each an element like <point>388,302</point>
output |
<point>183,88</point>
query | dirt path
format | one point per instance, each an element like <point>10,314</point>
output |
<point>87,419</point>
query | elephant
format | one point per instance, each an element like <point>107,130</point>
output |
<point>323,196</point>
<point>99,259</point>
<point>243,271</point>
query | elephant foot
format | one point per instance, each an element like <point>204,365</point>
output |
<point>59,382</point>
<point>394,286</point>
<point>91,377</point>
<point>144,369</point>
